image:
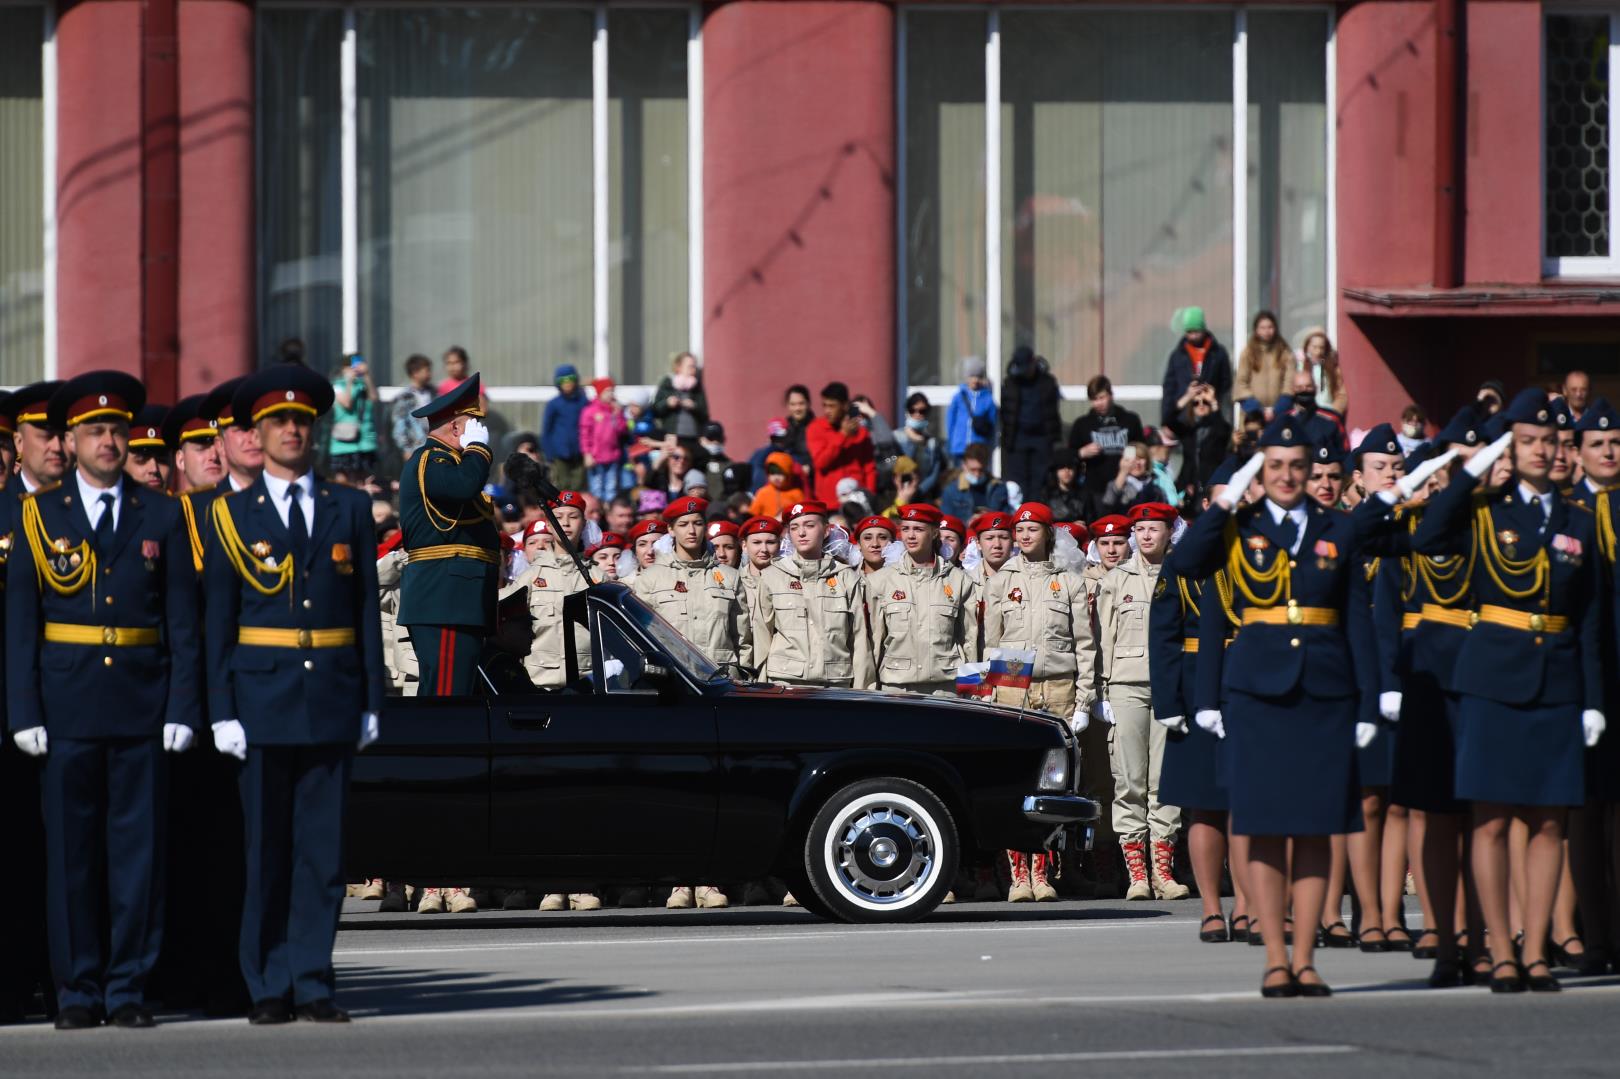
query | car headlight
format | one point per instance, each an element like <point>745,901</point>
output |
<point>1055,770</point>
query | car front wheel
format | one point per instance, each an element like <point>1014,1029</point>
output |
<point>881,850</point>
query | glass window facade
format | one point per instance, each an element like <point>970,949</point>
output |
<point>22,213</point>
<point>1576,156</point>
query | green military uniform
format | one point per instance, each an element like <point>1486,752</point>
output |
<point>452,548</point>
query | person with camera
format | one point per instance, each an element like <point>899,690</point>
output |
<point>352,450</point>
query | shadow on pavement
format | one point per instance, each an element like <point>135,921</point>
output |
<point>400,991</point>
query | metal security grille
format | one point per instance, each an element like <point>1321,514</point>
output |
<point>1577,132</point>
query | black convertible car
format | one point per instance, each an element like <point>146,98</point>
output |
<point>669,769</point>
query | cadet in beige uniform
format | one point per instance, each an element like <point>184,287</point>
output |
<point>1110,535</point>
<point>1037,605</point>
<point>403,673</point>
<point>810,611</point>
<point>643,537</point>
<point>707,603</point>
<point>1135,742</point>
<point>921,611</point>
<point>761,539</point>
<point>872,535</point>
<point>725,539</point>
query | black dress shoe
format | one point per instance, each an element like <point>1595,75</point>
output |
<point>1290,988</point>
<point>1514,984</point>
<point>393,900</point>
<point>321,1011</point>
<point>73,1017</point>
<point>1421,950</point>
<point>1256,939</point>
<point>1317,988</point>
<point>269,1012</point>
<point>131,1017</point>
<point>1447,974</point>
<point>1335,935</point>
<point>1543,982</point>
<point>1216,935</point>
<point>1239,931</point>
<point>1402,943</point>
<point>517,899</point>
<point>1370,945</point>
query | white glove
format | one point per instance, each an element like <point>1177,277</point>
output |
<point>230,738</point>
<point>1481,462</point>
<point>177,737</point>
<point>1408,485</point>
<point>1365,733</point>
<point>612,668</point>
<point>474,432</point>
<point>1210,720</point>
<point>1104,711</point>
<point>1080,720</point>
<point>31,741</point>
<point>1238,485</point>
<point>370,729</point>
<point>1592,725</point>
<point>1389,706</point>
<point>1178,724</point>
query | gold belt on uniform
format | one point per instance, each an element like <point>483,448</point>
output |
<point>1530,623</point>
<point>1449,616</point>
<point>1291,615</point>
<point>452,550</point>
<point>265,637</point>
<point>68,633</point>
<point>1189,644</point>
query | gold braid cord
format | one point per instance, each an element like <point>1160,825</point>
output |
<point>247,566</point>
<point>190,513</point>
<point>1223,589</point>
<point>1434,573</point>
<point>1242,576</point>
<point>1605,525</point>
<point>1500,566</point>
<point>39,541</point>
<point>1187,601</point>
<point>483,506</point>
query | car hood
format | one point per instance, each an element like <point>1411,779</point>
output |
<point>777,692</point>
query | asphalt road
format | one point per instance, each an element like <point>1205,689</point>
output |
<point>1098,988</point>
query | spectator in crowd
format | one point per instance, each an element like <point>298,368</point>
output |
<point>669,474</point>
<point>559,430</point>
<point>353,446</point>
<point>1159,443</point>
<point>1488,399</point>
<point>410,433</point>
<point>915,439</point>
<point>839,446</point>
<point>1319,359</point>
<point>457,367</point>
<point>1133,484</point>
<point>1263,367</point>
<point>1205,435</point>
<point>974,489</point>
<point>850,494</point>
<point>784,485</point>
<point>601,440</point>
<point>1320,426</point>
<point>292,350</point>
<point>777,439</point>
<point>972,415</point>
<point>1101,435</point>
<point>1413,430</point>
<point>679,404</point>
<point>620,515</point>
<point>1062,490</point>
<point>796,403</point>
<point>1197,358</point>
<point>1577,393</point>
<point>1030,424</point>
<point>906,486</point>
<point>726,477</point>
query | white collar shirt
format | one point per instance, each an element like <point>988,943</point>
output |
<point>1297,515</point>
<point>90,496</point>
<point>278,496</point>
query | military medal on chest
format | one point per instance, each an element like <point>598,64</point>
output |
<point>1016,595</point>
<point>1509,540</point>
<point>62,560</point>
<point>149,552</point>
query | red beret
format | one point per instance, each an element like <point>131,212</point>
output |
<point>762,526</point>
<point>721,528</point>
<point>1111,525</point>
<point>609,541</point>
<point>1038,512</point>
<point>647,528</point>
<point>994,521</point>
<point>809,508</point>
<point>954,524</point>
<point>685,507</point>
<point>570,498</point>
<point>536,527</point>
<point>1078,530</point>
<point>1152,511</point>
<point>921,512</point>
<point>874,521</point>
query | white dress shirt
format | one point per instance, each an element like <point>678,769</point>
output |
<point>91,496</point>
<point>1529,495</point>
<point>278,495</point>
<point>1297,515</point>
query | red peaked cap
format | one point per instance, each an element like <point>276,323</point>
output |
<point>1111,525</point>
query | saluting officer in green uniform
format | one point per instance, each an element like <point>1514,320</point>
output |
<point>452,546</point>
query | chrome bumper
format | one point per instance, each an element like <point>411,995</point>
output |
<point>1060,809</point>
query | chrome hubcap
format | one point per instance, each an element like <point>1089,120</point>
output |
<point>883,853</point>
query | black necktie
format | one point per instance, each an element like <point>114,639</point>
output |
<point>1289,531</point>
<point>296,525</point>
<point>104,526</point>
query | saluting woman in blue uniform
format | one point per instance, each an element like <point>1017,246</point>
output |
<point>1290,688</point>
<point>1529,673</point>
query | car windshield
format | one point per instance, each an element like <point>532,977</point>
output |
<point>667,637</point>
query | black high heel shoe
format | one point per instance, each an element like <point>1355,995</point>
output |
<point>1336,935</point>
<point>1236,935</point>
<point>1317,988</point>
<point>1447,974</point>
<point>1392,943</point>
<point>1256,939</point>
<point>1541,983</point>
<point>1421,950</point>
<point>1379,945</point>
<point>1290,988</point>
<point>1213,936</point>
<point>1514,984</point>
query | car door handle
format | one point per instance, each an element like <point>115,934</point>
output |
<point>537,720</point>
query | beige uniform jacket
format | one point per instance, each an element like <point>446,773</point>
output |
<point>1122,621</point>
<point>398,655</point>
<point>922,620</point>
<point>810,623</point>
<point>550,579</point>
<point>705,601</point>
<point>1035,606</point>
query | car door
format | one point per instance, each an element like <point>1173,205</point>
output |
<point>597,773</point>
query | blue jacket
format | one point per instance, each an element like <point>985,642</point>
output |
<point>559,427</point>
<point>967,406</point>
<point>297,695</point>
<point>57,576</point>
<point>990,494</point>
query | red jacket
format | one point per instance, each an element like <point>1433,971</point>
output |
<point>835,456</point>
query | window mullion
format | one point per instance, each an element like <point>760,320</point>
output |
<point>1240,171</point>
<point>599,193</point>
<point>349,184</point>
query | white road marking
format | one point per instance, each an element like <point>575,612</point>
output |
<point>987,1061</point>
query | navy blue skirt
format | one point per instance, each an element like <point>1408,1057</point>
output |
<point>1425,773</point>
<point>1525,755</point>
<point>1291,765</point>
<point>1603,767</point>
<point>1190,777</point>
<point>1375,762</point>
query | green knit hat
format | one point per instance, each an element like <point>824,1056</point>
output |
<point>1192,319</point>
